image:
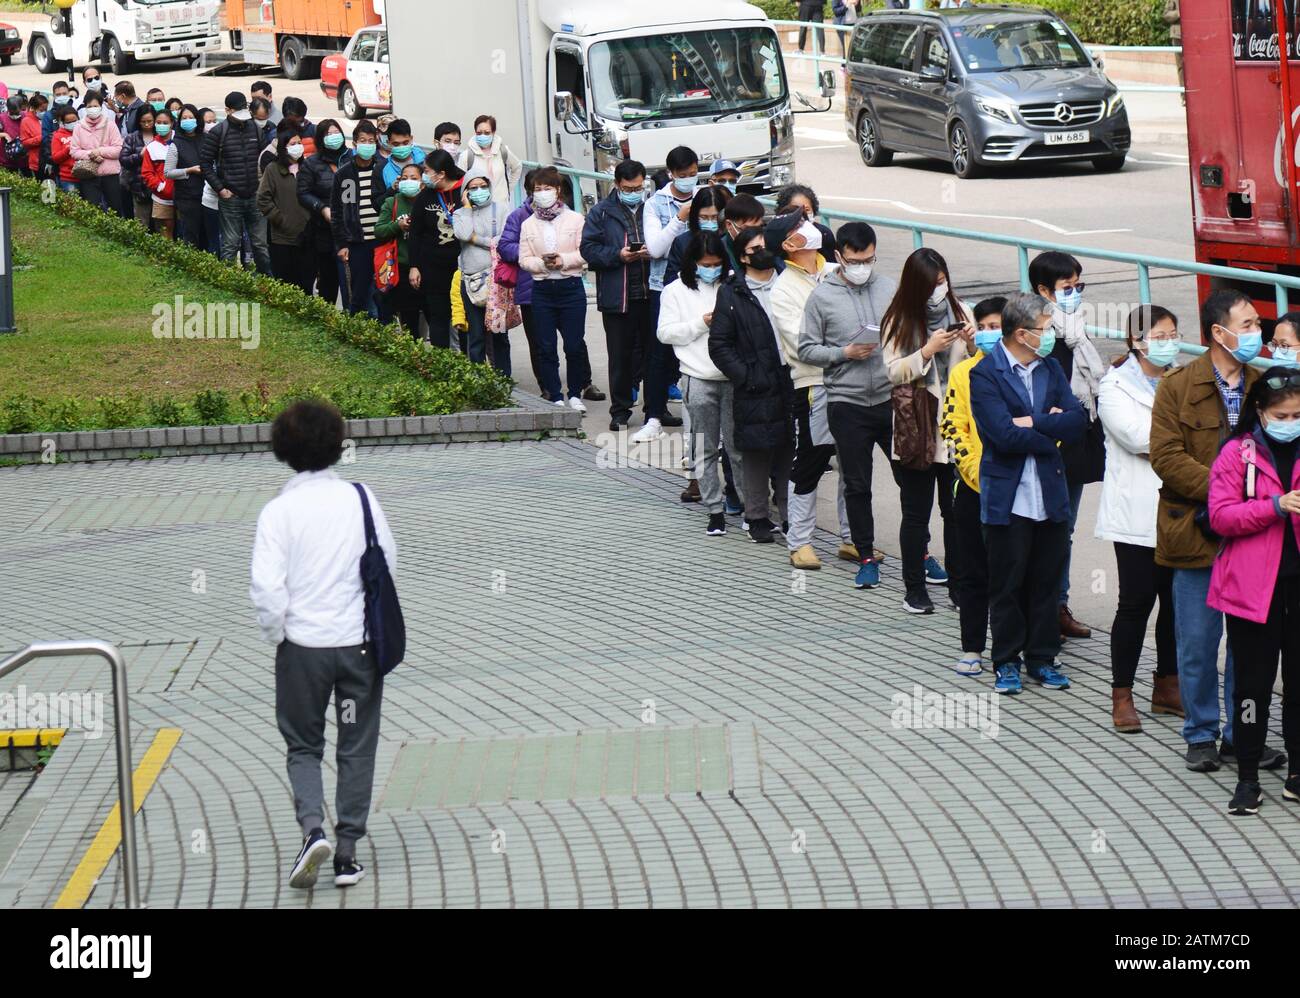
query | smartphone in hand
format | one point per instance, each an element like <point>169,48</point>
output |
<point>636,247</point>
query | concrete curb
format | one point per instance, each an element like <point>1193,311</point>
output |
<point>525,420</point>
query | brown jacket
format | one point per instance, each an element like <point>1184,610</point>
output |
<point>1188,425</point>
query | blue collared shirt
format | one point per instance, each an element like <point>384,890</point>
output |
<point>1029,493</point>
<point>1231,396</point>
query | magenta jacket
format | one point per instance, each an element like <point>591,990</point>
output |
<point>1245,571</point>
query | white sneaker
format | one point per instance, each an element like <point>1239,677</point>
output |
<point>652,430</point>
<point>576,404</point>
<point>560,403</point>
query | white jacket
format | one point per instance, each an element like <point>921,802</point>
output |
<point>1130,492</point>
<point>681,325</point>
<point>789,296</point>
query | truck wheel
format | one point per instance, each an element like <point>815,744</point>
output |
<point>6,60</point>
<point>350,105</point>
<point>872,152</point>
<point>961,153</point>
<point>43,56</point>
<point>120,62</point>
<point>293,59</point>
<point>1108,164</point>
<point>190,60</point>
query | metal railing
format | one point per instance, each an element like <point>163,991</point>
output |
<point>125,788</point>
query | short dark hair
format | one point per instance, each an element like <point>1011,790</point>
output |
<point>485,119</point>
<point>124,88</point>
<point>294,105</point>
<point>441,161</point>
<point>681,158</point>
<point>629,169</point>
<point>154,90</point>
<point>1048,268</point>
<point>259,104</point>
<point>398,126</point>
<point>63,111</point>
<point>702,244</point>
<point>261,85</point>
<point>549,176</point>
<point>744,208</point>
<point>1217,309</point>
<point>37,100</point>
<point>989,306</point>
<point>364,127</point>
<point>857,236</point>
<point>308,435</point>
<point>1290,318</point>
<point>445,128</point>
<point>790,191</point>
<point>64,85</point>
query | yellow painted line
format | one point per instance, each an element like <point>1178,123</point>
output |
<point>27,737</point>
<point>101,850</point>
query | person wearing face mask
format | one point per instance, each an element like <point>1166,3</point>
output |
<point>841,336</point>
<point>791,238</point>
<point>685,313</point>
<point>61,148</point>
<point>726,174</point>
<point>394,225</point>
<point>1056,276</point>
<point>744,211</point>
<point>97,141</point>
<point>153,175</point>
<point>12,154</point>
<point>1254,505</point>
<point>805,198</point>
<point>478,223</point>
<point>50,121</point>
<point>355,200</point>
<point>926,332</point>
<point>1023,409</point>
<point>92,83</point>
<point>969,581</point>
<point>705,216</point>
<point>1198,405</point>
<point>401,150</point>
<point>133,191</point>
<point>229,156</point>
<point>486,151</point>
<point>550,249</point>
<point>299,128</point>
<point>508,251</point>
<point>186,173</point>
<point>1284,345</point>
<point>29,133</point>
<point>287,218</point>
<point>129,106</point>
<point>156,99</point>
<point>315,188</point>
<point>446,136</point>
<point>1130,497</point>
<point>435,250</point>
<point>745,346</point>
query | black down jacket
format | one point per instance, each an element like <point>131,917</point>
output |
<point>742,344</point>
<point>228,156</point>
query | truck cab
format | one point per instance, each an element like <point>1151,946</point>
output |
<point>122,32</point>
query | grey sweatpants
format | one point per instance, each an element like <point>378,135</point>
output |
<point>304,680</point>
<point>708,404</point>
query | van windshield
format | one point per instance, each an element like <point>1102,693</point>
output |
<point>1002,45</point>
<point>687,73</point>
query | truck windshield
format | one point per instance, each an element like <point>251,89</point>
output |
<point>688,73</point>
<point>1001,46</point>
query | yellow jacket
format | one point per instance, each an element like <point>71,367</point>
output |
<point>458,320</point>
<point>957,426</point>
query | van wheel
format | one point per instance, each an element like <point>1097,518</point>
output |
<point>1108,164</point>
<point>350,105</point>
<point>293,59</point>
<point>6,60</point>
<point>872,152</point>
<point>119,61</point>
<point>961,153</point>
<point>43,56</point>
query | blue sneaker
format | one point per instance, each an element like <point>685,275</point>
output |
<point>1049,676</point>
<point>934,573</point>
<point>1008,680</point>
<point>674,393</point>
<point>868,575</point>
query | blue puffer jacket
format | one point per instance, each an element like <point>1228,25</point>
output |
<point>508,250</point>
<point>603,236</point>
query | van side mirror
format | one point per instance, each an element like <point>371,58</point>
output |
<point>563,105</point>
<point>933,74</point>
<point>827,82</point>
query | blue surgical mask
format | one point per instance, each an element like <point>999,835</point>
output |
<point>709,275</point>
<point>1162,352</point>
<point>1248,346</point>
<point>1047,344</point>
<point>730,185</point>
<point>162,129</point>
<point>1068,300</point>
<point>480,196</point>
<point>366,150</point>
<point>631,198</point>
<point>483,141</point>
<point>1284,431</point>
<point>987,339</point>
<point>708,225</point>
<point>334,140</point>
<point>188,124</point>
<point>1285,356</point>
<point>62,99</point>
<point>401,152</point>
<point>408,188</point>
<point>685,185</point>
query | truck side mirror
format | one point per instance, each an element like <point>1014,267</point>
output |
<point>827,82</point>
<point>563,104</point>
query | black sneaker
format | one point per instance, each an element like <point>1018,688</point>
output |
<point>717,524</point>
<point>1246,800</point>
<point>1203,757</point>
<point>668,419</point>
<point>1271,758</point>
<point>785,527</point>
<point>617,424</point>
<point>347,872</point>
<point>760,531</point>
<point>1291,788</point>
<point>315,851</point>
<point>593,394</point>
<point>918,603</point>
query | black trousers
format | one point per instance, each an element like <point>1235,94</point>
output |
<point>916,492</point>
<point>435,284</point>
<point>326,273</point>
<point>1141,582</point>
<point>290,264</point>
<point>857,430</point>
<point>811,460</point>
<point>627,335</point>
<point>1255,651</point>
<point>1025,562</point>
<point>968,573</point>
<point>189,222</point>
<point>402,302</point>
<point>812,10</point>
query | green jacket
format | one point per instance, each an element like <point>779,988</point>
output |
<point>387,228</point>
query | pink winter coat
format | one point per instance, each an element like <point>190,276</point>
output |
<point>568,236</point>
<point>1245,571</point>
<point>103,138</point>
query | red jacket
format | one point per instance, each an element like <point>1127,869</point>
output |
<point>152,164</point>
<point>61,153</point>
<point>29,131</point>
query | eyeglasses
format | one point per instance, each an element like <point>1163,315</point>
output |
<point>1279,381</point>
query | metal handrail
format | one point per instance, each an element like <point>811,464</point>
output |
<point>125,788</point>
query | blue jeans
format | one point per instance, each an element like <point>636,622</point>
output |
<point>1076,498</point>
<point>474,343</point>
<point>561,305</point>
<point>239,216</point>
<point>1199,629</point>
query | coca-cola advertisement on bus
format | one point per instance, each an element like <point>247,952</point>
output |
<point>1254,30</point>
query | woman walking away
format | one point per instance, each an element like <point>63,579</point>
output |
<point>548,250</point>
<point>97,147</point>
<point>153,175</point>
<point>434,248</point>
<point>743,345</point>
<point>394,225</point>
<point>315,185</point>
<point>1255,507</point>
<point>925,333</point>
<point>685,312</point>
<point>478,224</point>
<point>1130,495</point>
<point>287,219</point>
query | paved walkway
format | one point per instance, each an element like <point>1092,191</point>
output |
<point>550,602</point>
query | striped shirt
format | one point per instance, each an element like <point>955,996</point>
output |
<point>366,205</point>
<point>1231,397</point>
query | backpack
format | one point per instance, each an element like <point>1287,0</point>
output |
<point>385,630</point>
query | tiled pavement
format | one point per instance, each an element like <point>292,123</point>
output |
<point>549,598</point>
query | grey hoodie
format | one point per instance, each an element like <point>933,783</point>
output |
<point>476,228</point>
<point>834,317</point>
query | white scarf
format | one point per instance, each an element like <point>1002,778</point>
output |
<point>1089,368</point>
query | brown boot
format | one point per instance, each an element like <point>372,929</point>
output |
<point>1071,628</point>
<point>1122,712</point>
<point>1165,698</point>
<point>692,492</point>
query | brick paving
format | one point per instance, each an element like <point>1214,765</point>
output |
<point>577,644</point>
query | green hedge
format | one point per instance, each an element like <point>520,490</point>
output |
<point>1099,22</point>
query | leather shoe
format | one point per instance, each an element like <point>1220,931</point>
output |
<point>1071,628</point>
<point>1123,715</point>
<point>1165,698</point>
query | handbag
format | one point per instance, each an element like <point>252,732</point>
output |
<point>477,287</point>
<point>385,630</point>
<point>386,275</point>
<point>84,169</point>
<point>916,421</point>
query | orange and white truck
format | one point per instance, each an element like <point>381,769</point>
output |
<point>296,34</point>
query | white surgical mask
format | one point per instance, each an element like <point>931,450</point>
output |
<point>295,151</point>
<point>94,113</point>
<point>940,293</point>
<point>811,234</point>
<point>856,273</point>
<point>544,198</point>
<point>453,148</point>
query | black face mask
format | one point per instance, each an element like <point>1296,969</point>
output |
<point>761,259</point>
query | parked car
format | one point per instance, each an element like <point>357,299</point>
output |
<point>980,86</point>
<point>358,77</point>
<point>10,42</point>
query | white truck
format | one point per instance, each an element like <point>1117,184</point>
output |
<point>120,32</point>
<point>589,83</point>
